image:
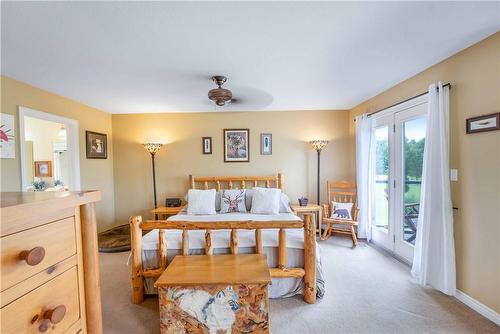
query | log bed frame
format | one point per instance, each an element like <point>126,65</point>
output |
<point>308,272</point>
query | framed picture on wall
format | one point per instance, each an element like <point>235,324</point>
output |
<point>236,145</point>
<point>483,123</point>
<point>43,168</point>
<point>266,144</point>
<point>7,137</point>
<point>96,145</point>
<point>207,145</point>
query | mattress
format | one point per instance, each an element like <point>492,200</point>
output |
<point>280,287</point>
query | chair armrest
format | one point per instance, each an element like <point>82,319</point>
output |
<point>355,214</point>
<point>326,210</point>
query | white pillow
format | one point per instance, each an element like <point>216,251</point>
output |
<point>266,201</point>
<point>217,200</point>
<point>285,204</point>
<point>232,200</point>
<point>341,211</point>
<point>201,202</point>
<point>248,199</point>
<point>284,201</point>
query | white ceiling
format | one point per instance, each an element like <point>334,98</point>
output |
<point>130,57</point>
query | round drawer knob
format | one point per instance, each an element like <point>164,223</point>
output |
<point>55,315</point>
<point>33,256</point>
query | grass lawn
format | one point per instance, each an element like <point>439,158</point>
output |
<point>382,204</point>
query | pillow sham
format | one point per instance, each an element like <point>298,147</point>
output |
<point>284,201</point>
<point>266,201</point>
<point>201,202</point>
<point>232,200</point>
<point>285,204</point>
<point>217,200</point>
<point>342,211</point>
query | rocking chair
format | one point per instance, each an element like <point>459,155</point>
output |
<point>341,192</point>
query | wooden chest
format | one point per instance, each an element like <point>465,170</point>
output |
<point>215,294</point>
<point>50,273</point>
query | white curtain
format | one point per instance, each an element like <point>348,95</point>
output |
<point>434,255</point>
<point>363,147</point>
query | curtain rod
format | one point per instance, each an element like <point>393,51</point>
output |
<point>411,98</point>
<point>408,99</point>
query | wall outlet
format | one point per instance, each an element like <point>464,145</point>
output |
<point>454,174</point>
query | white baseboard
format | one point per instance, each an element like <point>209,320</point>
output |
<point>482,309</point>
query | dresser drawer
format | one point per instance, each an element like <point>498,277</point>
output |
<point>53,307</point>
<point>29,252</point>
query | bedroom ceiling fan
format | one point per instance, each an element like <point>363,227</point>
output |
<point>220,95</point>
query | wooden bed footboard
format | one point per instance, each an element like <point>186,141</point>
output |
<point>308,272</point>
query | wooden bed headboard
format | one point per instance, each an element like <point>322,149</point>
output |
<point>230,182</point>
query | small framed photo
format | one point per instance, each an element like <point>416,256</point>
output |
<point>266,144</point>
<point>483,123</point>
<point>97,145</point>
<point>43,168</point>
<point>236,145</point>
<point>207,145</point>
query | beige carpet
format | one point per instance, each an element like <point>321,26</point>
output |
<point>367,292</point>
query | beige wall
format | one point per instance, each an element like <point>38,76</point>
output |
<point>95,174</point>
<point>475,77</point>
<point>182,154</point>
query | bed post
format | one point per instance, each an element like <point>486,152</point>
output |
<point>309,259</point>
<point>137,277</point>
<point>281,181</point>
<point>191,182</point>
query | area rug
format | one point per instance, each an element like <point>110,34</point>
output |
<point>115,240</point>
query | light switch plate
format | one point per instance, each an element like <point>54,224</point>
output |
<point>454,174</point>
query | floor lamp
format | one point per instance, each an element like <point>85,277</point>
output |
<point>318,146</point>
<point>153,148</point>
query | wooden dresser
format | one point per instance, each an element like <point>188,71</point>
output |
<point>49,263</point>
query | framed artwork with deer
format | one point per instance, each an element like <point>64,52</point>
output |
<point>236,145</point>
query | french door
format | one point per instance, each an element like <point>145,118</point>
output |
<point>396,175</point>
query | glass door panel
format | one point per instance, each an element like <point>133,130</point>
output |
<point>381,182</point>
<point>381,190</point>
<point>413,159</point>
<point>410,127</point>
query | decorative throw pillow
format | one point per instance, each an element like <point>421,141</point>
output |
<point>201,202</point>
<point>266,201</point>
<point>284,201</point>
<point>342,211</point>
<point>233,200</point>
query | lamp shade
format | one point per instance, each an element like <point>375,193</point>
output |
<point>318,144</point>
<point>152,147</point>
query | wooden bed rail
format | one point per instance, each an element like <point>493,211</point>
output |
<point>308,272</point>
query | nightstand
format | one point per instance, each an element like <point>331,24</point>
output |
<point>310,208</point>
<point>167,211</point>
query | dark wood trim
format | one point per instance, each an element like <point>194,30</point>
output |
<point>248,144</point>
<point>468,121</point>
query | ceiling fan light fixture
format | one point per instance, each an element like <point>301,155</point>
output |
<point>220,95</point>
